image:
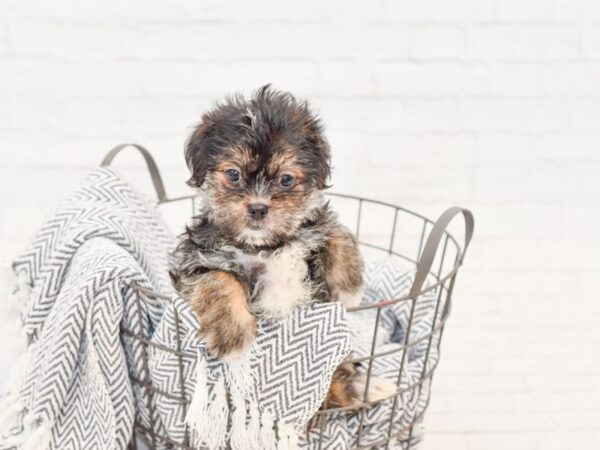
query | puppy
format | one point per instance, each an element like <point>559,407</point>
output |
<point>265,240</point>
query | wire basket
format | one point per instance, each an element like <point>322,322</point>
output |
<point>381,229</point>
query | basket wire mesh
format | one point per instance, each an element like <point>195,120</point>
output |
<point>437,258</point>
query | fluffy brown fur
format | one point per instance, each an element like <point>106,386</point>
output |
<point>265,239</point>
<point>342,391</point>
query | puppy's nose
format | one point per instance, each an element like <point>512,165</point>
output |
<point>258,211</point>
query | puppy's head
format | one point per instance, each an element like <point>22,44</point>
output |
<point>260,164</point>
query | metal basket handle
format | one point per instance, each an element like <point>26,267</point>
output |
<point>159,186</point>
<point>433,242</point>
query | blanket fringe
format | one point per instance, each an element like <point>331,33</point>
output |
<point>238,371</point>
<point>244,427</point>
<point>11,411</point>
<point>37,436</point>
<point>216,417</point>
<point>20,285</point>
<point>240,438</point>
<point>254,427</point>
<point>249,429</point>
<point>288,438</point>
<point>267,438</point>
<point>199,404</point>
<point>12,407</point>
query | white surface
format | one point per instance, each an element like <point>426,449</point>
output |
<point>490,104</point>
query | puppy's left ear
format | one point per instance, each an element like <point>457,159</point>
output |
<point>315,135</point>
<point>196,152</point>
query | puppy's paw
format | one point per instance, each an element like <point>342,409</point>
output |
<point>379,388</point>
<point>227,325</point>
<point>229,337</point>
<point>343,266</point>
<point>348,388</point>
<point>342,392</point>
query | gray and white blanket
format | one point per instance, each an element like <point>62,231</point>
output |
<point>78,284</point>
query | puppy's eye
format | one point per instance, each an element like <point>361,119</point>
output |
<point>286,180</point>
<point>233,175</point>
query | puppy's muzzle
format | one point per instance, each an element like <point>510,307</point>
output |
<point>258,211</point>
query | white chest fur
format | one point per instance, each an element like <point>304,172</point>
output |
<point>282,280</point>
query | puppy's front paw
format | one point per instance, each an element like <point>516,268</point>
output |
<point>379,388</point>
<point>342,391</point>
<point>228,337</point>
<point>349,388</point>
<point>226,323</point>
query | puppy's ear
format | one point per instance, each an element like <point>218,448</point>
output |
<point>196,152</point>
<point>320,147</point>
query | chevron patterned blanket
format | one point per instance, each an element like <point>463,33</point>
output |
<point>74,390</point>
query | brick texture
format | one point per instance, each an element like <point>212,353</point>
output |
<point>491,104</point>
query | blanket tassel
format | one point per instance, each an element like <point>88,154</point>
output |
<point>11,409</point>
<point>254,427</point>
<point>240,439</point>
<point>12,406</point>
<point>216,417</point>
<point>288,438</point>
<point>267,438</point>
<point>198,406</point>
<point>37,437</point>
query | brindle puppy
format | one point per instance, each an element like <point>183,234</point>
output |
<point>265,239</point>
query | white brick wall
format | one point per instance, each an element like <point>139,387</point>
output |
<point>491,104</point>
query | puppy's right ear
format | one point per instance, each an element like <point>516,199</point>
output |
<point>196,152</point>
